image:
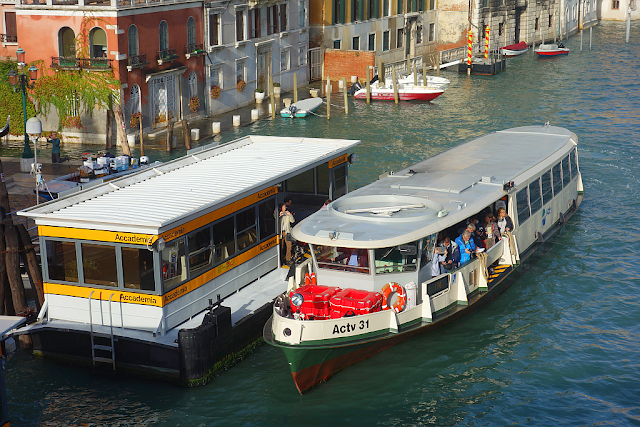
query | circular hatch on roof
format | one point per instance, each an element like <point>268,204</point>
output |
<point>387,207</point>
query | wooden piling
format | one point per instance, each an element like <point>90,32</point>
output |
<point>272,98</point>
<point>30,260</point>
<point>590,36</point>
<point>8,301</point>
<point>187,134</point>
<point>368,84</point>
<point>580,40</point>
<point>141,138</point>
<point>424,74</point>
<point>395,86</point>
<point>4,195</point>
<point>295,87</point>
<point>346,100</point>
<point>380,73</point>
<point>438,61</point>
<point>328,97</point>
<point>5,296</point>
<point>415,74</point>
<point>169,135</point>
<point>12,260</point>
<point>109,130</point>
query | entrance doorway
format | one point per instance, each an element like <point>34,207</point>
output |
<point>164,105</point>
<point>264,69</point>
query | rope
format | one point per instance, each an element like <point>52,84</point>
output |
<point>482,256</point>
<point>512,243</point>
<point>316,114</point>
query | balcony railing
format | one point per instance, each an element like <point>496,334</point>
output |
<point>166,55</point>
<point>193,50</point>
<point>8,38</point>
<point>62,62</point>
<point>137,61</point>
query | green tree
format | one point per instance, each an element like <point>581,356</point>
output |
<point>10,101</point>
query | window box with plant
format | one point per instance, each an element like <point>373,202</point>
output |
<point>194,104</point>
<point>241,85</point>
<point>215,92</point>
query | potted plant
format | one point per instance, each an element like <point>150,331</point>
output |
<point>276,90</point>
<point>259,95</point>
<point>241,85</point>
<point>215,92</point>
<point>194,104</point>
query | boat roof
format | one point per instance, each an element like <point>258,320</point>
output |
<point>437,192</point>
<point>158,198</point>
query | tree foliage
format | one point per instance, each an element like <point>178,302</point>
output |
<point>10,101</point>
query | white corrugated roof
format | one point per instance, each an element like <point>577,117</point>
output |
<point>161,196</point>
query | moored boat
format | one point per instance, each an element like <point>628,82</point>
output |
<point>376,275</point>
<point>301,108</point>
<point>549,50</point>
<point>514,49</point>
<point>406,92</point>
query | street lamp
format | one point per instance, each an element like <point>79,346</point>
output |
<point>21,82</point>
<point>34,129</point>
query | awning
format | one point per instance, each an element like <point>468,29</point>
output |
<point>165,73</point>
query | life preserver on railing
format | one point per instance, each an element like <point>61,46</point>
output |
<point>313,279</point>
<point>307,279</point>
<point>401,299</point>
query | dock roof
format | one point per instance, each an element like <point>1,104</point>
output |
<point>438,192</point>
<point>161,197</point>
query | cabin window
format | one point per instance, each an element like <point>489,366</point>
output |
<point>428,246</point>
<point>62,261</point>
<point>438,286</point>
<point>301,183</point>
<point>566,173</point>
<point>247,230</point>
<point>397,259</point>
<point>137,266</point>
<point>557,179</point>
<point>200,253</point>
<point>173,268</point>
<point>339,181</point>
<point>99,264</point>
<point>344,259</point>
<point>547,193</point>
<point>267,215</point>
<point>574,164</point>
<point>224,238</point>
<point>522,200</point>
<point>535,197</point>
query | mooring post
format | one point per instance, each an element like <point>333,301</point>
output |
<point>169,135</point>
<point>328,97</point>
<point>424,73</point>
<point>590,36</point>
<point>272,98</point>
<point>395,86</point>
<point>580,40</point>
<point>346,100</point>
<point>368,83</point>
<point>141,139</point>
<point>628,22</point>
<point>295,87</point>
<point>415,74</point>
<point>380,73</point>
<point>439,61</point>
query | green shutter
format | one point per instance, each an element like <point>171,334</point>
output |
<point>342,11</point>
<point>361,10</point>
<point>376,8</point>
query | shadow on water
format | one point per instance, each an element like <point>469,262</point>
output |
<point>559,347</point>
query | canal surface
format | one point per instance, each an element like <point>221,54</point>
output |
<point>560,347</point>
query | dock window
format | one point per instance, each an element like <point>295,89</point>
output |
<point>224,238</point>
<point>62,261</point>
<point>301,183</point>
<point>344,259</point>
<point>535,196</point>
<point>574,164</point>
<point>566,173</point>
<point>247,230</point>
<point>137,266</point>
<point>522,200</point>
<point>547,193</point>
<point>99,264</point>
<point>557,180</point>
<point>173,268</point>
<point>200,253</point>
<point>267,212</point>
<point>397,259</point>
<point>339,181</point>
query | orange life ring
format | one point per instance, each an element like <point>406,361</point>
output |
<point>401,300</point>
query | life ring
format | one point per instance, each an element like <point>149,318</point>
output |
<point>401,300</point>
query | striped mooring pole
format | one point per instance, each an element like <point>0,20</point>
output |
<point>486,42</point>
<point>469,52</point>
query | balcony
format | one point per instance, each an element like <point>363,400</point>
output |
<point>71,63</point>
<point>193,50</point>
<point>167,56</point>
<point>137,61</point>
<point>8,38</point>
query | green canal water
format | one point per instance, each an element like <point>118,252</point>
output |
<point>560,347</point>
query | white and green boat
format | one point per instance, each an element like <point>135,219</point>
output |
<point>383,238</point>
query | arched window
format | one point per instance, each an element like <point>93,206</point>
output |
<point>191,31</point>
<point>134,99</point>
<point>98,43</point>
<point>66,42</point>
<point>193,84</point>
<point>132,36</point>
<point>164,35</point>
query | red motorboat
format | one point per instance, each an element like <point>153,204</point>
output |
<point>514,49</point>
<point>549,50</point>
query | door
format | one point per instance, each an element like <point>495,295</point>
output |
<point>315,64</point>
<point>264,69</point>
<point>517,26</point>
<point>164,105</point>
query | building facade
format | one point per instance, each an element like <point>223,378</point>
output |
<point>618,10</point>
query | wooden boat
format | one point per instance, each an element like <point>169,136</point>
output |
<point>514,49</point>
<point>406,92</point>
<point>301,108</point>
<point>549,50</point>
<point>383,239</point>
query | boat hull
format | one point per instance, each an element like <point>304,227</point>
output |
<point>551,53</point>
<point>511,53</point>
<point>388,95</point>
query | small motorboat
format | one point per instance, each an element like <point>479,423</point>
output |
<point>548,50</point>
<point>514,49</point>
<point>432,81</point>
<point>406,92</point>
<point>301,108</point>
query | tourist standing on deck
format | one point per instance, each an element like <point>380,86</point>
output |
<point>504,222</point>
<point>286,219</point>
<point>466,246</point>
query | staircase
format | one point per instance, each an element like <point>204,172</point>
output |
<point>102,348</point>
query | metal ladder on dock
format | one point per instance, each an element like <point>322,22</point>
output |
<point>100,335</point>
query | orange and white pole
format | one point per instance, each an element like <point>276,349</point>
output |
<point>469,52</point>
<point>486,42</point>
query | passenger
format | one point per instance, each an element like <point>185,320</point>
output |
<point>326,202</point>
<point>451,256</point>
<point>504,222</point>
<point>286,219</point>
<point>476,234</point>
<point>466,246</point>
<point>492,232</point>
<point>355,258</point>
